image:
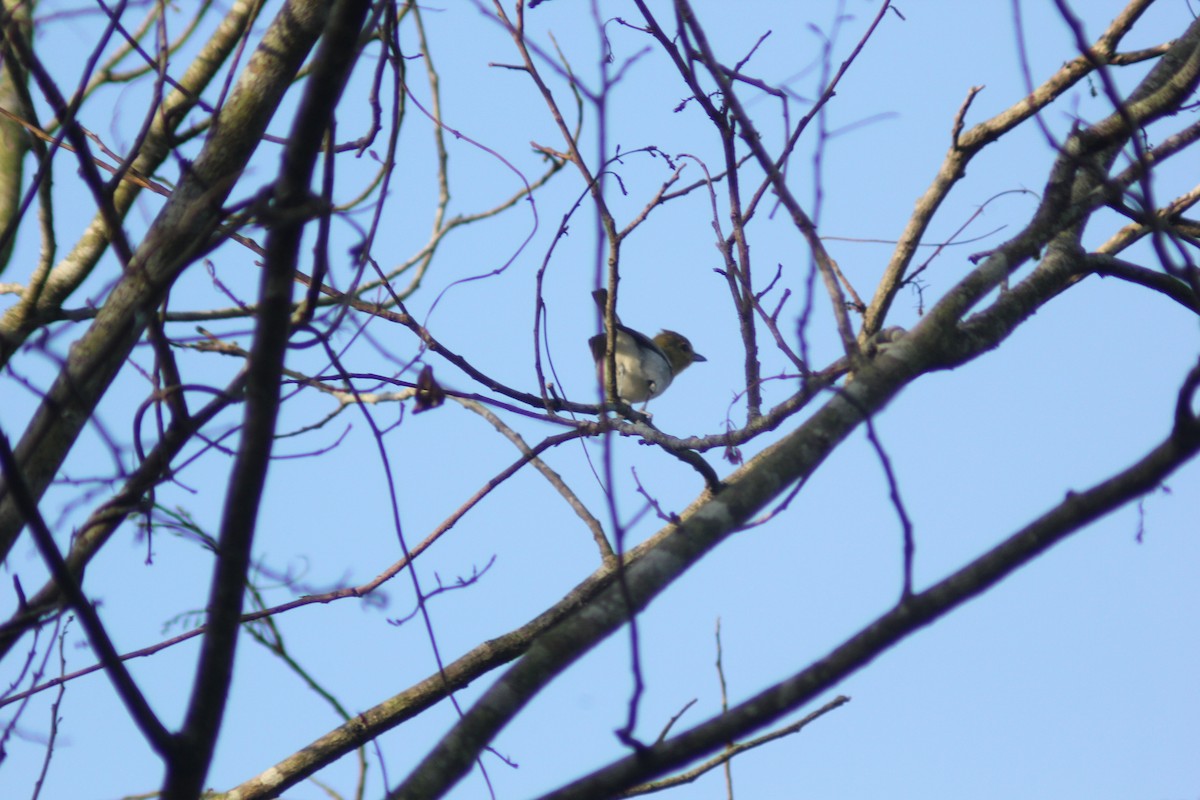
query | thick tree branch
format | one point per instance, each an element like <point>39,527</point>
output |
<point>912,614</point>
<point>964,147</point>
<point>1172,287</point>
<point>47,289</point>
<point>700,528</point>
<point>178,233</point>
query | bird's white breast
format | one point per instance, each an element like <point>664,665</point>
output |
<point>643,373</point>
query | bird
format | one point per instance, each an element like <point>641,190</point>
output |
<point>645,366</point>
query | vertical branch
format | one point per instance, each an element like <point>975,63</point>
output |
<point>14,144</point>
<point>65,112</point>
<point>55,710</point>
<point>593,182</point>
<point>740,283</point>
<point>753,139</point>
<point>729,747</point>
<point>334,60</point>
<point>737,269</point>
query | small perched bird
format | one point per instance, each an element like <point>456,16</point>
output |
<point>645,366</point>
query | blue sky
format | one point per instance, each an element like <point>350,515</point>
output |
<point>1074,677</point>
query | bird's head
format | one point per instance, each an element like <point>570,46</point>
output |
<point>678,350</point>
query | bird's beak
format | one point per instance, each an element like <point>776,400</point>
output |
<point>698,357</point>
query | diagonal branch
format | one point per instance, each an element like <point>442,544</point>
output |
<point>139,709</point>
<point>908,617</point>
<point>966,146</point>
<point>179,232</point>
